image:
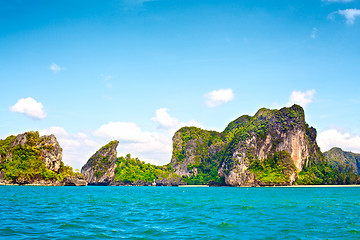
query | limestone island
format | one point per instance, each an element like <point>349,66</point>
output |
<point>271,148</point>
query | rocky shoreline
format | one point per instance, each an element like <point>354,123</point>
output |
<point>67,181</point>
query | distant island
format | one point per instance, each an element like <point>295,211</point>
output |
<point>30,159</point>
<point>271,148</point>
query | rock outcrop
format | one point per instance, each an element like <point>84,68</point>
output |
<point>100,168</point>
<point>76,180</point>
<point>50,150</point>
<point>29,158</point>
<point>336,156</point>
<point>244,141</point>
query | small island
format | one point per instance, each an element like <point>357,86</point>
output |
<point>28,159</point>
<point>271,148</point>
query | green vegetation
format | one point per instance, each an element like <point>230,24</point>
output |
<point>26,163</point>
<point>109,145</point>
<point>129,170</point>
<point>200,138</point>
<point>101,163</point>
<point>336,157</point>
<point>208,150</point>
<point>324,173</point>
<point>5,145</point>
<point>206,174</point>
<point>274,169</point>
<point>264,123</point>
<point>205,144</point>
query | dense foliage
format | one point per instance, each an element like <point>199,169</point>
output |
<point>207,173</point>
<point>5,145</point>
<point>274,169</point>
<point>201,138</point>
<point>336,157</point>
<point>204,152</point>
<point>129,170</point>
<point>26,163</point>
<point>324,173</point>
<point>205,165</point>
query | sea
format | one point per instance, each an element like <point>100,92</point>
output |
<point>93,212</point>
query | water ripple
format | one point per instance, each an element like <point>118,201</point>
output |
<point>177,213</point>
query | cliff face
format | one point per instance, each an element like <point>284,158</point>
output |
<point>336,157</point>
<point>100,168</point>
<point>246,141</point>
<point>50,150</point>
<point>193,145</point>
<point>29,158</point>
<point>105,168</point>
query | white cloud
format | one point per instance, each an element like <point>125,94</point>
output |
<point>56,68</point>
<point>334,138</point>
<point>165,120</point>
<point>350,15</point>
<point>314,33</point>
<point>57,131</point>
<point>135,3</point>
<point>342,1</point>
<point>150,146</point>
<point>171,124</point>
<point>301,98</point>
<point>122,131</point>
<point>192,123</point>
<point>218,97</point>
<point>29,107</point>
<point>77,148</point>
<point>155,146</point>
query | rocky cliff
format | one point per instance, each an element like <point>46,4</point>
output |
<point>104,168</point>
<point>268,148</point>
<point>49,150</point>
<point>337,157</point>
<point>100,168</point>
<point>29,158</point>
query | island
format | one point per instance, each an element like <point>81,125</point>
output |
<point>28,159</point>
<point>272,148</point>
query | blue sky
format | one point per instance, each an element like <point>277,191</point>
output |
<point>136,71</point>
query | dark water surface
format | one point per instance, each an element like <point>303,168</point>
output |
<point>28,212</point>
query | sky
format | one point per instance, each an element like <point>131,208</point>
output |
<point>92,71</point>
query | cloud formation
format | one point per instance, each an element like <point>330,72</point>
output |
<point>150,146</point>
<point>314,33</point>
<point>135,3</point>
<point>350,15</point>
<point>56,68</point>
<point>341,1</point>
<point>301,98</point>
<point>171,124</point>
<point>77,148</point>
<point>122,131</point>
<point>164,119</point>
<point>154,147</point>
<point>218,97</point>
<point>29,107</point>
<point>334,138</point>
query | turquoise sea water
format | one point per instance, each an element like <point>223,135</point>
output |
<point>28,212</point>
